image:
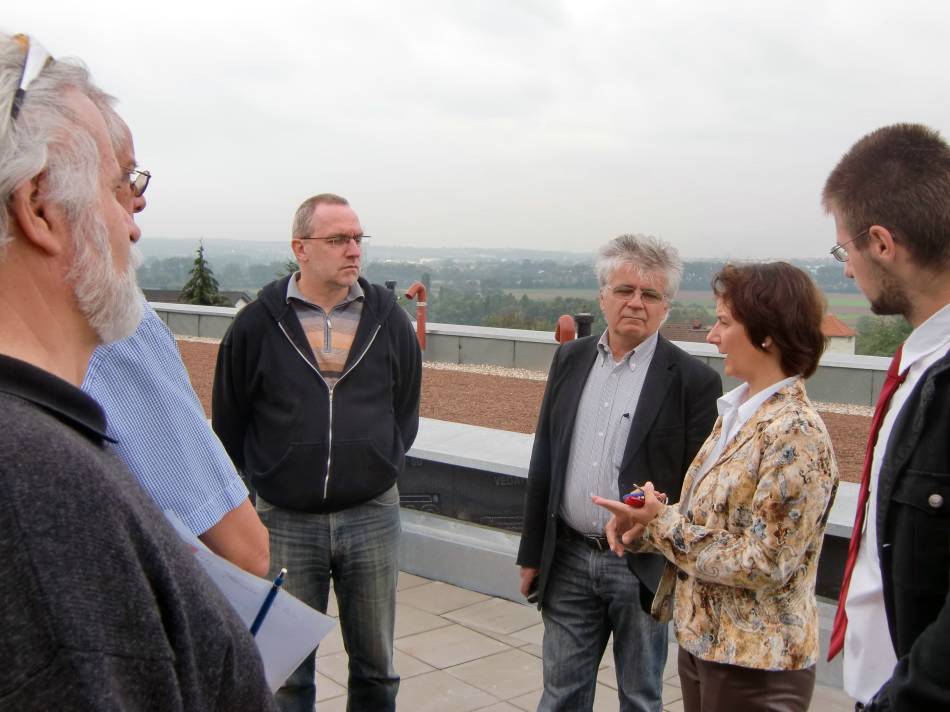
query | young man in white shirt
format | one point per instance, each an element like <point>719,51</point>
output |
<point>889,196</point>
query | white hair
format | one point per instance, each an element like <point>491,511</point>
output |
<point>46,135</point>
<point>112,304</point>
<point>644,253</point>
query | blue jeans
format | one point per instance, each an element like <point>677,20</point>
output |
<point>359,549</point>
<point>590,594</point>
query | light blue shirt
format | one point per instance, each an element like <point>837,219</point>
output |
<point>162,433</point>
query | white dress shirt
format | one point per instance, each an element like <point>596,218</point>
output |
<point>869,657</point>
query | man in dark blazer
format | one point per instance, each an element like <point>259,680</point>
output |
<point>889,196</point>
<point>620,409</point>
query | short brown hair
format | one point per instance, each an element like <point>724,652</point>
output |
<point>303,218</point>
<point>778,300</point>
<point>897,177</point>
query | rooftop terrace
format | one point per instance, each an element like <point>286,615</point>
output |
<point>465,640</point>
<point>460,651</point>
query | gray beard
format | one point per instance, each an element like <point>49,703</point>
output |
<point>111,303</point>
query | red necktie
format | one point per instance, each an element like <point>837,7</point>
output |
<point>891,383</point>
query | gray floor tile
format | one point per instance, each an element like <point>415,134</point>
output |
<point>449,646</point>
<point>438,691</point>
<point>410,620</point>
<point>409,581</point>
<point>438,597</point>
<point>829,699</point>
<point>528,701</point>
<point>508,674</point>
<point>496,615</point>
<point>327,688</point>
<point>331,644</point>
<point>607,676</point>
<point>533,635</point>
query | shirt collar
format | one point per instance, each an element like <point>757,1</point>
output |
<point>926,338</point>
<point>59,398</point>
<point>635,357</point>
<point>293,292</point>
<point>735,400</point>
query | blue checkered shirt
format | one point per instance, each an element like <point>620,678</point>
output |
<point>162,433</point>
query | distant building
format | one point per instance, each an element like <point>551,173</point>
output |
<point>170,296</point>
<point>841,337</point>
<point>694,331</point>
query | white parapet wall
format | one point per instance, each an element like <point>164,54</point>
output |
<point>841,378</point>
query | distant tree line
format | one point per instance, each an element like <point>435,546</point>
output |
<point>478,293</point>
<point>482,276</point>
<point>173,272</point>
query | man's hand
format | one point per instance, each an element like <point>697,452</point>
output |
<point>528,575</point>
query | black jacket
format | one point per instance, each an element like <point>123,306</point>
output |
<point>913,534</point>
<point>301,444</point>
<point>675,414</point>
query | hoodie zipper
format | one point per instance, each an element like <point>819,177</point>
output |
<point>326,479</point>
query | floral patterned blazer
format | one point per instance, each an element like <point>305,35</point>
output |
<point>743,557</point>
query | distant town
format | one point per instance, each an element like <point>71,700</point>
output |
<point>516,288</point>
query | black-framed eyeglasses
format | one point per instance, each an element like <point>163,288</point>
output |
<point>625,292</point>
<point>338,240</point>
<point>840,252</point>
<point>35,59</point>
<point>138,180</point>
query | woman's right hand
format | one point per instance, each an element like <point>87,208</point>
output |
<point>621,532</point>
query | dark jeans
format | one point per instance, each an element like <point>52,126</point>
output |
<point>590,594</point>
<point>716,687</point>
<point>358,549</point>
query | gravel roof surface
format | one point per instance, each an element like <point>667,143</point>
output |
<point>510,399</point>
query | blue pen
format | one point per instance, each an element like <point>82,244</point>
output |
<point>265,607</point>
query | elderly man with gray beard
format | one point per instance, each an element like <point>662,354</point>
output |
<point>103,606</point>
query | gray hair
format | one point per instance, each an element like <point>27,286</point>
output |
<point>120,136</point>
<point>644,253</point>
<point>303,218</point>
<point>46,135</point>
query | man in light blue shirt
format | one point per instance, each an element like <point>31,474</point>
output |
<point>159,425</point>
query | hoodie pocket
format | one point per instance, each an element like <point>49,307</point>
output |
<point>296,480</point>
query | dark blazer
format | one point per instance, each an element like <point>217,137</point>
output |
<point>913,534</point>
<point>675,413</point>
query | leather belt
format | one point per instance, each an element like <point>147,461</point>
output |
<point>598,542</point>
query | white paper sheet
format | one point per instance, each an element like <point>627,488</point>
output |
<point>291,629</point>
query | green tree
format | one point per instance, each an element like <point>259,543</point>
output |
<point>880,335</point>
<point>289,267</point>
<point>201,287</point>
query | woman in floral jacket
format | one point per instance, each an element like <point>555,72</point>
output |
<point>743,542</point>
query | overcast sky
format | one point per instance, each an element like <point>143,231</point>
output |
<point>536,123</point>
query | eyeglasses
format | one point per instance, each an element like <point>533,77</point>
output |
<point>625,293</point>
<point>338,240</point>
<point>840,252</point>
<point>35,59</point>
<point>138,180</point>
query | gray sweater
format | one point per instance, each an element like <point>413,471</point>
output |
<point>102,607</point>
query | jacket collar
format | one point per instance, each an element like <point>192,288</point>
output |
<point>59,398</point>
<point>789,395</point>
